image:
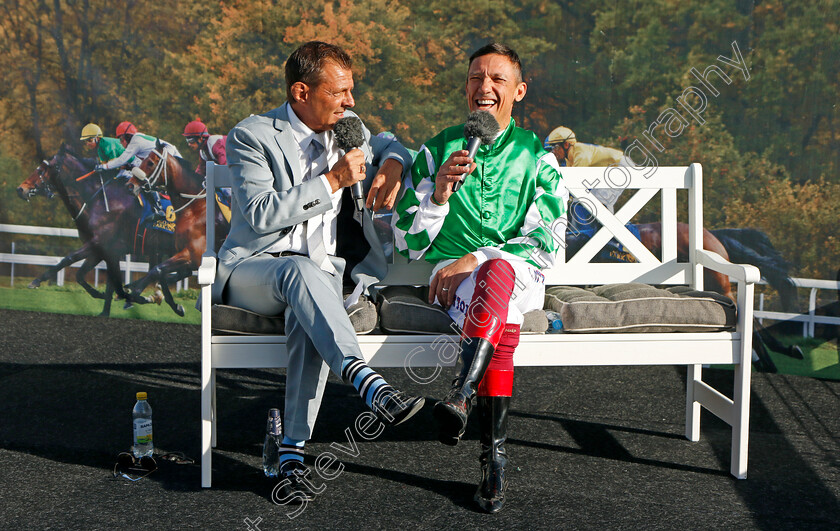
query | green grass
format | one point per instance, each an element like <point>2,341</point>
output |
<point>72,299</point>
<point>821,358</point>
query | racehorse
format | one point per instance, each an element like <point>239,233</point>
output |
<point>737,245</point>
<point>650,234</point>
<point>105,215</point>
<point>751,246</point>
<point>188,196</point>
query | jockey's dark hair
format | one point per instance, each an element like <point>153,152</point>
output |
<point>306,64</point>
<point>498,48</point>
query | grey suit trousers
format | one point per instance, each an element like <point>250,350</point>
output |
<point>318,331</point>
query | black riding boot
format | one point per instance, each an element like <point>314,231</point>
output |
<point>492,418</point>
<point>157,209</point>
<point>452,412</point>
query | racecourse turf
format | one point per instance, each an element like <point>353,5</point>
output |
<point>72,299</point>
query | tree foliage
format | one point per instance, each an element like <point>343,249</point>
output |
<point>607,70</point>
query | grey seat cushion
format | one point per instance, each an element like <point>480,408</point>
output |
<point>232,320</point>
<point>640,308</point>
<point>404,310</point>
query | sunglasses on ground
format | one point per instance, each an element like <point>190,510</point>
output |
<point>132,468</point>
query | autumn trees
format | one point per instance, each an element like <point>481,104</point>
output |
<point>605,69</point>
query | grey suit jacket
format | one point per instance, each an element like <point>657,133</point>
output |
<point>270,196</point>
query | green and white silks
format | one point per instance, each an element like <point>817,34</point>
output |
<point>513,203</point>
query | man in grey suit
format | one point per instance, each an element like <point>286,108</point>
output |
<point>280,254</point>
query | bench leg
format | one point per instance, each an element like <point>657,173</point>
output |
<point>741,394</point>
<point>740,422</point>
<point>207,422</point>
<point>206,432</point>
<point>692,407</point>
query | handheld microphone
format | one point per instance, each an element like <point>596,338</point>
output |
<point>349,135</point>
<point>481,129</point>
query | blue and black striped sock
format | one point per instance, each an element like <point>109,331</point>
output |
<point>372,387</point>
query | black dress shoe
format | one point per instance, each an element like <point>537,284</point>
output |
<point>398,408</point>
<point>295,484</point>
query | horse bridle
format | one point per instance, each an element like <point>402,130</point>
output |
<point>45,187</point>
<point>159,169</point>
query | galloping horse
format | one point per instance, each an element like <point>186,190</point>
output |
<point>105,215</point>
<point>650,234</point>
<point>188,195</point>
<point>747,246</point>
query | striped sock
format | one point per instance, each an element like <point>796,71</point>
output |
<point>291,450</point>
<point>371,386</point>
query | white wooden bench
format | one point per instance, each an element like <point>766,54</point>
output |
<point>692,350</point>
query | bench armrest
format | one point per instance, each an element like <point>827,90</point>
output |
<point>741,272</point>
<point>207,270</point>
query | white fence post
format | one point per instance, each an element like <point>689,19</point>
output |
<point>12,281</point>
<point>760,307</point>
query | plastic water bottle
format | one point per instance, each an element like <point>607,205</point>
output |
<point>142,413</point>
<point>555,324</point>
<point>271,446</point>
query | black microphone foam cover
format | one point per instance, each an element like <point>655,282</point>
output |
<point>481,124</point>
<point>481,128</point>
<point>348,133</point>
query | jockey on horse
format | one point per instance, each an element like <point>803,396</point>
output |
<point>107,148</point>
<point>137,147</point>
<point>569,152</point>
<point>211,148</point>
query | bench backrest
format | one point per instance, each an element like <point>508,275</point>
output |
<point>644,184</point>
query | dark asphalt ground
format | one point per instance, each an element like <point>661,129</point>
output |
<point>591,448</point>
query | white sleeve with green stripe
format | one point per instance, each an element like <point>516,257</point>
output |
<point>544,228</point>
<point>421,218</point>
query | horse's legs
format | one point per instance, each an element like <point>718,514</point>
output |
<point>81,253</point>
<point>167,294</point>
<point>761,358</point>
<point>178,265</point>
<point>87,266</point>
<point>160,274</point>
<point>112,267</point>
<point>109,298</point>
<point>763,334</point>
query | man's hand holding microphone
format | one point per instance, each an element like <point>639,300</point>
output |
<point>481,128</point>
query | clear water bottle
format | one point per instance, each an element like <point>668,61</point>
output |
<point>271,446</point>
<point>555,323</point>
<point>142,413</point>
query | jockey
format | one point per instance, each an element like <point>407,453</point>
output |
<point>211,148</point>
<point>137,147</point>
<point>107,148</point>
<point>569,152</point>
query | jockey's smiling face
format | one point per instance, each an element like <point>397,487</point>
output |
<point>321,106</point>
<point>494,85</point>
